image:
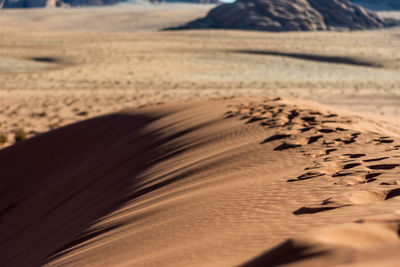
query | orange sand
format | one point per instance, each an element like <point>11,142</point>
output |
<point>253,182</point>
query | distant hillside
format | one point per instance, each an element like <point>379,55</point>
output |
<point>57,3</point>
<point>54,3</point>
<point>379,4</point>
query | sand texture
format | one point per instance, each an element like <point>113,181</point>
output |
<point>59,66</point>
<point>125,145</point>
<point>209,183</point>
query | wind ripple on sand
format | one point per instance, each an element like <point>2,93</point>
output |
<point>214,183</point>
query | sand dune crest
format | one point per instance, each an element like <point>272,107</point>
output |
<point>214,183</point>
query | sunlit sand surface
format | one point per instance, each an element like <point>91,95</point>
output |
<point>194,148</point>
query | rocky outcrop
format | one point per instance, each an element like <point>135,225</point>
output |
<point>290,15</point>
<point>24,3</point>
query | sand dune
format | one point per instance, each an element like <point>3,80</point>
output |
<point>90,74</point>
<point>204,183</point>
<point>60,66</point>
<point>116,172</point>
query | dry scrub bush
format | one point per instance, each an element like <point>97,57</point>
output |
<point>3,138</point>
<point>19,135</point>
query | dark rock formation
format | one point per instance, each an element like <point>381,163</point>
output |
<point>290,15</point>
<point>23,3</point>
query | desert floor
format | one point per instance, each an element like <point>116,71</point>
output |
<point>58,66</point>
<point>195,160</point>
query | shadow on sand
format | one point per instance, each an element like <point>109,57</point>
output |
<point>56,186</point>
<point>313,57</point>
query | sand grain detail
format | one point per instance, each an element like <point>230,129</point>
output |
<point>229,182</point>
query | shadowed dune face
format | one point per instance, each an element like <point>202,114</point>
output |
<point>214,183</point>
<point>196,184</point>
<point>315,58</point>
<point>150,186</point>
<point>70,177</point>
<point>58,184</point>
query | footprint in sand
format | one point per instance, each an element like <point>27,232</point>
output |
<point>329,151</point>
<point>355,156</point>
<point>389,183</point>
<point>302,127</point>
<point>327,130</point>
<point>372,175</point>
<point>308,175</point>
<point>286,146</point>
<point>376,159</point>
<point>384,140</point>
<point>314,139</point>
<point>276,137</point>
<point>351,165</point>
<point>306,129</point>
<point>383,166</point>
<point>349,199</point>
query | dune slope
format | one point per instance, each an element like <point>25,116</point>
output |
<point>206,183</point>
